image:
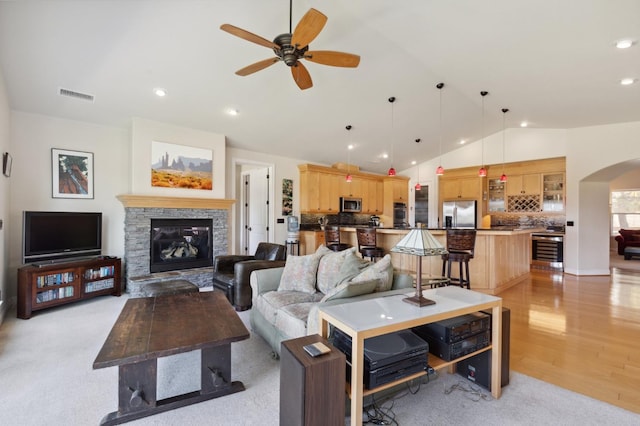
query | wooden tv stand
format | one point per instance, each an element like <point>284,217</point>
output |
<point>47,285</point>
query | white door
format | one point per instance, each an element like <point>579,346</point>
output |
<point>256,208</point>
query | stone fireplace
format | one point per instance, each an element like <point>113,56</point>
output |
<point>195,212</point>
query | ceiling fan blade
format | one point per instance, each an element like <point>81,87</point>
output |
<point>246,35</point>
<point>250,69</point>
<point>335,59</point>
<point>308,28</point>
<point>301,76</point>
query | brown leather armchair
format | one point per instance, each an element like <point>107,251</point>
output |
<point>231,272</point>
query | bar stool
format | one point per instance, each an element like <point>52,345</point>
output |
<point>367,243</point>
<point>332,238</point>
<point>460,245</point>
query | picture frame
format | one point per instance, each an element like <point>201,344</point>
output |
<point>71,174</point>
<point>176,166</point>
<point>7,162</point>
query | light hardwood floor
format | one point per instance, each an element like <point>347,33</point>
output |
<point>580,333</point>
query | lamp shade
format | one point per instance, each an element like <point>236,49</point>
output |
<point>419,242</point>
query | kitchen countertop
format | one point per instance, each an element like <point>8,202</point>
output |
<point>497,229</point>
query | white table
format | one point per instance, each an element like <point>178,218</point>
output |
<point>374,317</point>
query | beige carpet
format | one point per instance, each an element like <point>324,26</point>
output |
<point>46,379</point>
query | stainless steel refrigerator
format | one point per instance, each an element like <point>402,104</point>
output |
<point>460,214</point>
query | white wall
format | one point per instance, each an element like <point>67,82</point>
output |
<point>5,118</point>
<point>592,149</point>
<point>32,137</point>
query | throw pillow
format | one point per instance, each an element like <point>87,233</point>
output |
<point>351,267</point>
<point>351,289</point>
<point>299,273</point>
<point>329,269</point>
<point>382,270</point>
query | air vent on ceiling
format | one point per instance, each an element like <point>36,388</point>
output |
<point>77,95</point>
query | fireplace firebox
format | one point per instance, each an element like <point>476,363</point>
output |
<point>180,244</point>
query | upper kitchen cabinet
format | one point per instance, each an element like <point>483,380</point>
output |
<point>461,188</point>
<point>528,184</point>
<point>553,192</point>
<point>497,200</point>
<point>396,189</point>
<point>372,196</point>
<point>321,189</point>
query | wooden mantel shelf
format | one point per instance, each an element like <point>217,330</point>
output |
<point>130,200</point>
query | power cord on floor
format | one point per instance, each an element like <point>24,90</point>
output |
<point>472,392</point>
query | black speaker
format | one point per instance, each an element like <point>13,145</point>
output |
<point>478,367</point>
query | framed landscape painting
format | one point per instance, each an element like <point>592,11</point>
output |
<point>72,174</point>
<point>179,166</point>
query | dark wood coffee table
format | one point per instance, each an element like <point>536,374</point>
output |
<point>154,327</point>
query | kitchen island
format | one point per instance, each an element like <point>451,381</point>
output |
<point>502,255</point>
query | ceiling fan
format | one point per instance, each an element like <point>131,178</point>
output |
<point>291,47</point>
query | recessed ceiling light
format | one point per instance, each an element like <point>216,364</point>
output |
<point>524,124</point>
<point>624,44</point>
<point>462,141</point>
<point>233,112</point>
<point>350,147</point>
<point>414,162</point>
<point>627,81</point>
<point>385,155</point>
<point>159,91</point>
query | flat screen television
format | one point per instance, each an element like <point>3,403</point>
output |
<point>56,236</point>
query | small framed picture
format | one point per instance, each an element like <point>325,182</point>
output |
<point>72,174</point>
<point>6,164</point>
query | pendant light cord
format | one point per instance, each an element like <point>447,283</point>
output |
<point>504,129</point>
<point>483,94</point>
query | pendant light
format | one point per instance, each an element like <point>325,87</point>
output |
<point>392,171</point>
<point>440,169</point>
<point>418,186</point>
<point>483,171</point>
<point>503,178</point>
<point>349,178</point>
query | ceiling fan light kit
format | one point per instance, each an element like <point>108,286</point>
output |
<point>292,47</point>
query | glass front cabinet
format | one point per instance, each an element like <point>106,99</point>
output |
<point>496,195</point>
<point>553,192</point>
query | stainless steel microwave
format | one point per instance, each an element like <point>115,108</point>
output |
<point>350,205</point>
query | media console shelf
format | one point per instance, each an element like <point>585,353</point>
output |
<point>373,317</point>
<point>46,286</point>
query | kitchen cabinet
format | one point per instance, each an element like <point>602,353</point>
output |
<point>372,196</point>
<point>396,188</point>
<point>322,187</point>
<point>467,188</point>
<point>351,189</point>
<point>553,192</point>
<point>496,195</point>
<point>528,184</point>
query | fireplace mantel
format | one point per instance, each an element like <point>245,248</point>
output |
<point>130,200</point>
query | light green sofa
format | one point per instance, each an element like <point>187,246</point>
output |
<point>282,315</point>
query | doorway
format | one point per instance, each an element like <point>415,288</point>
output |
<point>255,204</point>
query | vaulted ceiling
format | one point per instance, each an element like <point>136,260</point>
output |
<point>553,63</point>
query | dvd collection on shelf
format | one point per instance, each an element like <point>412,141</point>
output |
<point>99,285</point>
<point>54,294</point>
<point>103,271</point>
<point>55,279</point>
